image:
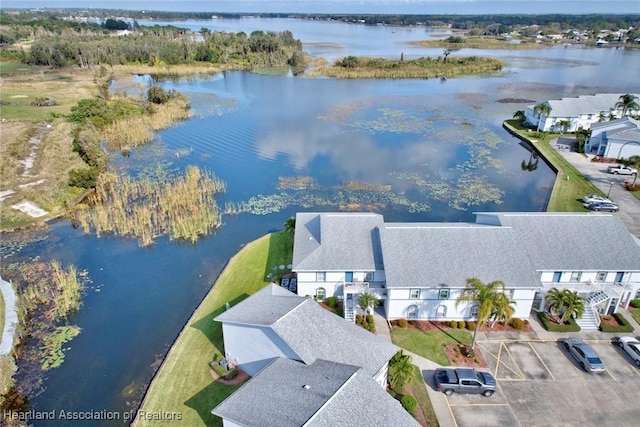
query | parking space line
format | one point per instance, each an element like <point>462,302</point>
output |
<point>542,361</point>
<point>479,404</point>
<point>453,417</point>
<point>513,360</point>
<point>612,377</point>
<point>499,361</point>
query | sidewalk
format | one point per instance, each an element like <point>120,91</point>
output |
<point>426,366</point>
<point>10,317</point>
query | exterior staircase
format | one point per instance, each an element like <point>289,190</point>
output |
<point>349,312</point>
<point>590,320</point>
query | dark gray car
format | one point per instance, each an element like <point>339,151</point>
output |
<point>587,358</point>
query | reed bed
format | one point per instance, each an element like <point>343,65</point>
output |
<point>137,130</point>
<point>182,207</point>
<point>375,68</point>
<point>482,43</point>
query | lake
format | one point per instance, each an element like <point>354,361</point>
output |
<point>414,150</point>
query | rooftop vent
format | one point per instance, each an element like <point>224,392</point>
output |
<point>306,386</point>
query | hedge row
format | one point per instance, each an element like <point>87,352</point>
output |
<point>549,325</point>
<point>623,326</point>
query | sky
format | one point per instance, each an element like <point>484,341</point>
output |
<point>422,7</point>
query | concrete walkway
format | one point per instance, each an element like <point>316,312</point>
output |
<point>10,317</point>
<point>426,366</point>
<point>607,183</point>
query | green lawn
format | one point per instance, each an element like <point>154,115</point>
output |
<point>183,384</point>
<point>429,344</point>
<point>422,396</point>
<point>570,185</point>
<point>635,313</point>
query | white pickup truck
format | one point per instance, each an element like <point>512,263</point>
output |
<point>621,170</point>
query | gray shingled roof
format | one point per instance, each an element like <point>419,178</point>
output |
<point>574,241</point>
<point>337,242</point>
<point>573,107</point>
<point>280,302</point>
<point>428,254</point>
<point>311,331</point>
<point>335,394</point>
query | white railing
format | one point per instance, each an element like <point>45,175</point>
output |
<point>612,289</point>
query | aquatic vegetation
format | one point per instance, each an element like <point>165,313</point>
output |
<point>182,207</point>
<point>296,183</point>
<point>53,350</point>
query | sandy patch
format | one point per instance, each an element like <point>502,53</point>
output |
<point>30,209</point>
<point>18,96</point>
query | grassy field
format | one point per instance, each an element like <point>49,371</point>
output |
<point>429,344</point>
<point>570,185</point>
<point>481,43</point>
<point>183,384</point>
<point>419,389</point>
<point>635,313</point>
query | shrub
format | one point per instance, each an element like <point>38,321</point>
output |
<point>359,319</point>
<point>569,326</point>
<point>623,325</point>
<point>403,323</point>
<point>453,324</point>
<point>517,323</point>
<point>461,324</point>
<point>471,325</point>
<point>635,303</point>
<point>83,178</point>
<point>391,392</point>
<point>369,319</point>
<point>231,375</point>
<point>409,403</point>
<point>332,301</point>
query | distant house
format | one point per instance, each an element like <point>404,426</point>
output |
<point>309,366</point>
<point>615,139</point>
<point>419,269</point>
<point>580,112</point>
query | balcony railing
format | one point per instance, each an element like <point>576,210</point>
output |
<point>613,289</point>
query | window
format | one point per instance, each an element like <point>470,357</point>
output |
<point>576,276</point>
<point>557,275</point>
<point>321,293</point>
<point>470,383</point>
<point>474,311</point>
<point>601,276</point>
<point>412,311</point>
<point>321,276</point>
<point>414,294</point>
<point>444,293</point>
<point>619,276</point>
<point>441,311</point>
<point>368,276</point>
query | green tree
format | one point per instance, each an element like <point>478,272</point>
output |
<point>555,300</point>
<point>367,301</point>
<point>400,371</point>
<point>290,225</point>
<point>542,109</point>
<point>519,116</point>
<point>602,117</point>
<point>489,298</point>
<point>573,304</point>
<point>627,102</point>
<point>503,309</point>
<point>563,125</point>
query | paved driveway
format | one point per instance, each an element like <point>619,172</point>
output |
<point>540,384</point>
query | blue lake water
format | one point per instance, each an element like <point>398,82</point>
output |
<point>425,150</point>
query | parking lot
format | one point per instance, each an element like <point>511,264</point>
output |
<point>540,384</point>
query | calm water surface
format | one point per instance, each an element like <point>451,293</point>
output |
<point>414,150</point>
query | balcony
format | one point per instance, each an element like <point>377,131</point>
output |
<point>613,289</point>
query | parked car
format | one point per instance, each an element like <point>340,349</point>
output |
<point>632,347</point>
<point>465,380</point>
<point>587,358</point>
<point>604,207</point>
<point>621,170</point>
<point>594,198</point>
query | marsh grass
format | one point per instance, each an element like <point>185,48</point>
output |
<point>481,43</point>
<point>423,68</point>
<point>182,207</point>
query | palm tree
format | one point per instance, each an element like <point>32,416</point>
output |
<point>555,299</point>
<point>446,53</point>
<point>489,299</point>
<point>542,109</point>
<point>574,305</point>
<point>503,310</point>
<point>400,371</point>
<point>532,164</point>
<point>602,117</point>
<point>367,301</point>
<point>627,102</point>
<point>563,125</point>
<point>290,225</point>
<point>519,116</point>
